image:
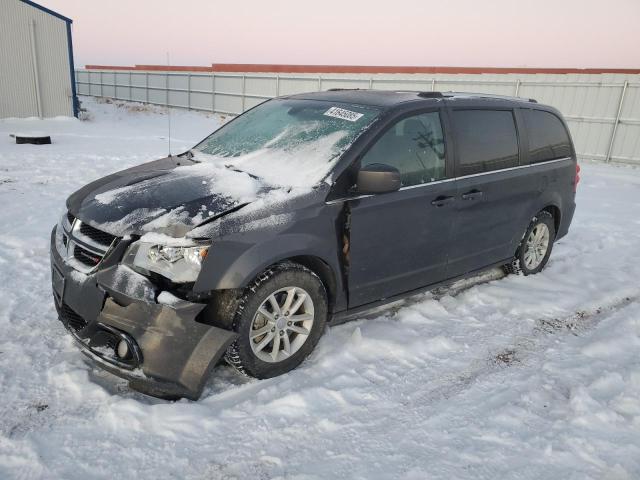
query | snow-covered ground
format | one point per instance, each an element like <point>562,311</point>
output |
<point>496,378</point>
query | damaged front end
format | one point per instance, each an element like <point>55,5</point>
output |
<point>128,323</point>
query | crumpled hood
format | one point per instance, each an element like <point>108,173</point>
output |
<point>170,196</point>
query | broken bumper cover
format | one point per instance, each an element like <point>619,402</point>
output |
<point>170,353</point>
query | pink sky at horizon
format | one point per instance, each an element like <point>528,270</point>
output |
<point>490,33</point>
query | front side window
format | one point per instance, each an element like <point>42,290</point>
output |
<point>415,146</point>
<point>548,139</point>
<point>289,142</point>
<point>486,140</point>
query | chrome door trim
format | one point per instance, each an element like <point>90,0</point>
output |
<point>514,168</point>
<point>420,185</point>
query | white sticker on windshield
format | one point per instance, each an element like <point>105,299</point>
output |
<point>343,114</point>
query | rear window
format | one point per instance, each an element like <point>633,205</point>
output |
<point>486,140</point>
<point>548,138</point>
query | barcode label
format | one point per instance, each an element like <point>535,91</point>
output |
<point>337,112</point>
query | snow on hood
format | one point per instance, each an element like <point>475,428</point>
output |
<point>173,195</point>
<point>169,196</point>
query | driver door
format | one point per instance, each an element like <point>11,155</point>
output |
<point>399,241</point>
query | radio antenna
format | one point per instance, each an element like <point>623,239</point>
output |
<point>167,97</point>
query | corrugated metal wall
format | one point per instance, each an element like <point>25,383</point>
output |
<point>18,92</point>
<point>603,110</point>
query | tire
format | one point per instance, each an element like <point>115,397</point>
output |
<point>522,263</point>
<point>255,356</point>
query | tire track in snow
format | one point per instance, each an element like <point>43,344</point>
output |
<point>522,348</point>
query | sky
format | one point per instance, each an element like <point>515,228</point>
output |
<point>490,33</point>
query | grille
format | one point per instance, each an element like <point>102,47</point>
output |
<point>84,244</point>
<point>71,318</point>
<point>96,235</point>
<point>86,257</point>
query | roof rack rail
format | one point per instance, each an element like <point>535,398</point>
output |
<point>492,95</point>
<point>337,89</point>
<point>430,94</point>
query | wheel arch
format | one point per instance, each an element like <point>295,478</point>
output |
<point>555,212</point>
<point>548,202</point>
<point>323,270</point>
<point>317,266</point>
<point>231,270</point>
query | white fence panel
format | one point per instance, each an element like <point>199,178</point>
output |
<point>602,110</point>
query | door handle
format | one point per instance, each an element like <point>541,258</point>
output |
<point>472,195</point>
<point>441,201</point>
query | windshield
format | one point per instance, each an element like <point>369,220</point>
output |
<point>287,142</point>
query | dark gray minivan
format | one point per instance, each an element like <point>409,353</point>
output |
<point>305,210</point>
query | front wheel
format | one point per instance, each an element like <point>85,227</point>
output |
<point>534,250</point>
<point>279,320</point>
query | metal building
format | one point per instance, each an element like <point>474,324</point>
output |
<point>36,62</point>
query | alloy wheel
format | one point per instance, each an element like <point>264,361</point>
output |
<point>281,324</point>
<point>536,246</point>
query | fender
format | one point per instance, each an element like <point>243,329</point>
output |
<point>235,263</point>
<point>554,190</point>
<point>546,199</point>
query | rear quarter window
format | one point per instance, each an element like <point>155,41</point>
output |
<point>548,137</point>
<point>486,140</point>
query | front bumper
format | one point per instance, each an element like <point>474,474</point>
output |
<point>171,352</point>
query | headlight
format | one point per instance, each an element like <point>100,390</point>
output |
<point>59,239</point>
<point>179,264</point>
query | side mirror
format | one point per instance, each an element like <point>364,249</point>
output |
<point>378,178</point>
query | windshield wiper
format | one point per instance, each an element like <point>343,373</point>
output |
<point>189,155</point>
<point>236,169</point>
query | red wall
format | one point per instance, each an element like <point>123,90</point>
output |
<point>267,68</point>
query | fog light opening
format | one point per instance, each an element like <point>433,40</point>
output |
<point>122,350</point>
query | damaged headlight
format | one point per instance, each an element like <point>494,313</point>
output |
<point>178,263</point>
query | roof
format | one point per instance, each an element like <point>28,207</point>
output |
<point>388,98</point>
<point>377,98</point>
<point>46,10</point>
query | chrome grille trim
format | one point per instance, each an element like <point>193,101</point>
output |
<point>73,238</point>
<point>67,221</point>
<point>87,242</point>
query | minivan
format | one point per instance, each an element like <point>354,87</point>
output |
<point>304,211</point>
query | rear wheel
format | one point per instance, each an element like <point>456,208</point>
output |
<point>279,321</point>
<point>534,250</point>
